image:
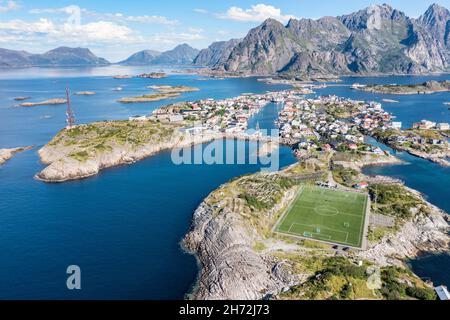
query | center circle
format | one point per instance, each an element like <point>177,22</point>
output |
<point>326,211</point>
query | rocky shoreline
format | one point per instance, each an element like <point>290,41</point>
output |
<point>229,266</point>
<point>61,168</point>
<point>6,154</point>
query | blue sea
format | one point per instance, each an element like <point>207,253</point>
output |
<point>123,227</point>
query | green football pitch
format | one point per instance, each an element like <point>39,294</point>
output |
<point>326,215</point>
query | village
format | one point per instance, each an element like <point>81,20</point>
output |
<point>321,124</point>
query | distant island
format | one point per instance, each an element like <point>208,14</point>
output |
<point>149,97</point>
<point>171,89</point>
<point>62,56</point>
<point>164,92</point>
<point>152,75</point>
<point>56,101</point>
<point>85,93</point>
<point>182,54</point>
<point>428,87</point>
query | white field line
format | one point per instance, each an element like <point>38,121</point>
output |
<point>287,210</point>
<point>321,227</point>
<point>361,231</point>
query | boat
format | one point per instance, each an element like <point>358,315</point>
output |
<point>118,89</point>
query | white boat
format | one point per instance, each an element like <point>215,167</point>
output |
<point>118,89</point>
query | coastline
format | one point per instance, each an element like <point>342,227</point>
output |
<point>7,154</point>
<point>62,169</point>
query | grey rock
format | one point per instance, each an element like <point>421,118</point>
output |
<point>218,52</point>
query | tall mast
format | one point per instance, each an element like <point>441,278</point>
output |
<point>69,113</point>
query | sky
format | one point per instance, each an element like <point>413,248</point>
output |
<point>116,29</point>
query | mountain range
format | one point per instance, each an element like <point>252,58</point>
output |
<point>65,56</point>
<point>376,40</point>
<point>62,56</point>
<point>180,55</point>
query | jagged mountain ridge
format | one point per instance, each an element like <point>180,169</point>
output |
<point>376,40</point>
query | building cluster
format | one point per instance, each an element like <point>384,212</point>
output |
<point>429,125</point>
<point>310,123</point>
<point>227,116</point>
<point>373,117</point>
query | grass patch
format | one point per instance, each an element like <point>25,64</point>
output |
<point>393,200</point>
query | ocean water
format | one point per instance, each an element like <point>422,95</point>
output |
<point>123,226</point>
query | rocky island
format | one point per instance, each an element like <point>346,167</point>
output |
<point>84,150</point>
<point>85,93</point>
<point>164,92</point>
<point>153,75</point>
<point>149,97</point>
<point>173,89</point>
<point>49,102</point>
<point>241,258</point>
<point>428,87</point>
<point>6,154</point>
<point>21,98</point>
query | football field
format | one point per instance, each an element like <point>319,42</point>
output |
<point>328,215</point>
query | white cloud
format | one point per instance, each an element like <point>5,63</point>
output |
<point>199,10</point>
<point>256,13</point>
<point>6,6</point>
<point>173,37</point>
<point>100,32</point>
<point>22,27</point>
<point>150,19</point>
<point>195,30</point>
<point>67,10</point>
<point>118,17</point>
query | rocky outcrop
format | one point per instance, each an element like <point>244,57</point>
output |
<point>425,233</point>
<point>63,167</point>
<point>6,154</point>
<point>230,267</point>
<point>375,40</point>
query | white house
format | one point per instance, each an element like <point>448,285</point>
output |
<point>443,126</point>
<point>442,293</point>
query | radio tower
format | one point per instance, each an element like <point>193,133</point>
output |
<point>69,113</point>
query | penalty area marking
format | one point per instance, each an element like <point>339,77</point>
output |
<point>318,231</point>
